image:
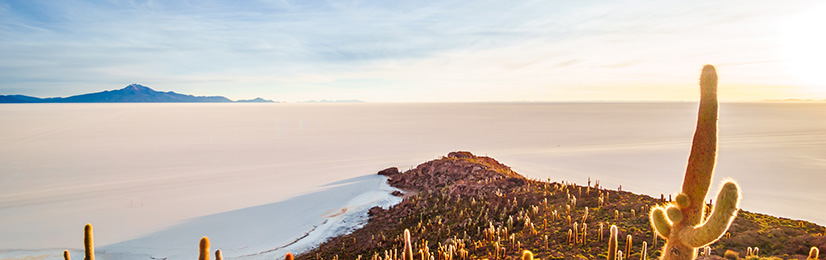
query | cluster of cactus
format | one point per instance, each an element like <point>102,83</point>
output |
<point>88,244</point>
<point>752,253</point>
<point>519,215</point>
<point>682,222</point>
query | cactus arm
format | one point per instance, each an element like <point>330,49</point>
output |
<point>718,222</point>
<point>659,222</point>
<point>674,214</point>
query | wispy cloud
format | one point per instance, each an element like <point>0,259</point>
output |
<point>379,50</point>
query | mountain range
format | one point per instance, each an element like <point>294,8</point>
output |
<point>132,93</point>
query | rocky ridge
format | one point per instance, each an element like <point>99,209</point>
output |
<point>471,207</point>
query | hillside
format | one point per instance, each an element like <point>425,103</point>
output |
<point>472,203</point>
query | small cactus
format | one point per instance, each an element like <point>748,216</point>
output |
<point>813,253</point>
<point>612,243</point>
<point>731,255</point>
<point>289,256</point>
<point>628,242</point>
<point>680,222</point>
<point>527,255</point>
<point>89,242</point>
<point>66,255</point>
<point>219,255</point>
<point>644,253</point>
<point>203,253</point>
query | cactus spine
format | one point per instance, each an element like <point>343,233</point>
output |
<point>203,253</point>
<point>612,243</point>
<point>89,242</point>
<point>680,223</point>
<point>289,256</point>
<point>66,255</point>
<point>813,253</point>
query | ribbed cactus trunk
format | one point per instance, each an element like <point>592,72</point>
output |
<point>203,249</point>
<point>700,167</point>
<point>88,242</point>
<point>681,222</point>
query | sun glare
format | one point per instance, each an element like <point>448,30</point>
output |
<point>803,48</point>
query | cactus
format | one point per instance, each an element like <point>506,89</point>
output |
<point>644,253</point>
<point>219,255</point>
<point>203,253</point>
<point>612,243</point>
<point>66,255</point>
<point>527,255</point>
<point>731,255</point>
<point>813,253</point>
<point>89,242</point>
<point>680,222</point>
<point>576,232</point>
<point>408,249</point>
<point>289,256</point>
<point>628,242</point>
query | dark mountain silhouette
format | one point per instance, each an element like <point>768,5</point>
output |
<point>131,93</point>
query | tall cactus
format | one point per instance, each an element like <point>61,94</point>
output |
<point>88,242</point>
<point>408,248</point>
<point>203,246</point>
<point>612,243</point>
<point>680,222</point>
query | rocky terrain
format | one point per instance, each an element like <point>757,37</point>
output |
<point>464,206</point>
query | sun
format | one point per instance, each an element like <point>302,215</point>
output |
<point>803,48</point>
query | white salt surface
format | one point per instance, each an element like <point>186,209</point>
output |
<point>154,178</point>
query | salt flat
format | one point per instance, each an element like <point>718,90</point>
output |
<point>175,171</point>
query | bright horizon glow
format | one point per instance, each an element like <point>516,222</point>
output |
<point>441,51</point>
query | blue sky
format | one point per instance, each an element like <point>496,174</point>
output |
<point>415,51</point>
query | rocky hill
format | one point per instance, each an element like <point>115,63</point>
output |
<point>470,207</point>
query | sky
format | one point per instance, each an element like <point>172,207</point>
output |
<point>416,51</point>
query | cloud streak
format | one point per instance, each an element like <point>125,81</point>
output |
<point>379,51</point>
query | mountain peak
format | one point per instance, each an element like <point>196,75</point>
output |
<point>137,87</point>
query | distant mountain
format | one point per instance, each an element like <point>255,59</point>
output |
<point>335,101</point>
<point>256,100</point>
<point>131,93</point>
